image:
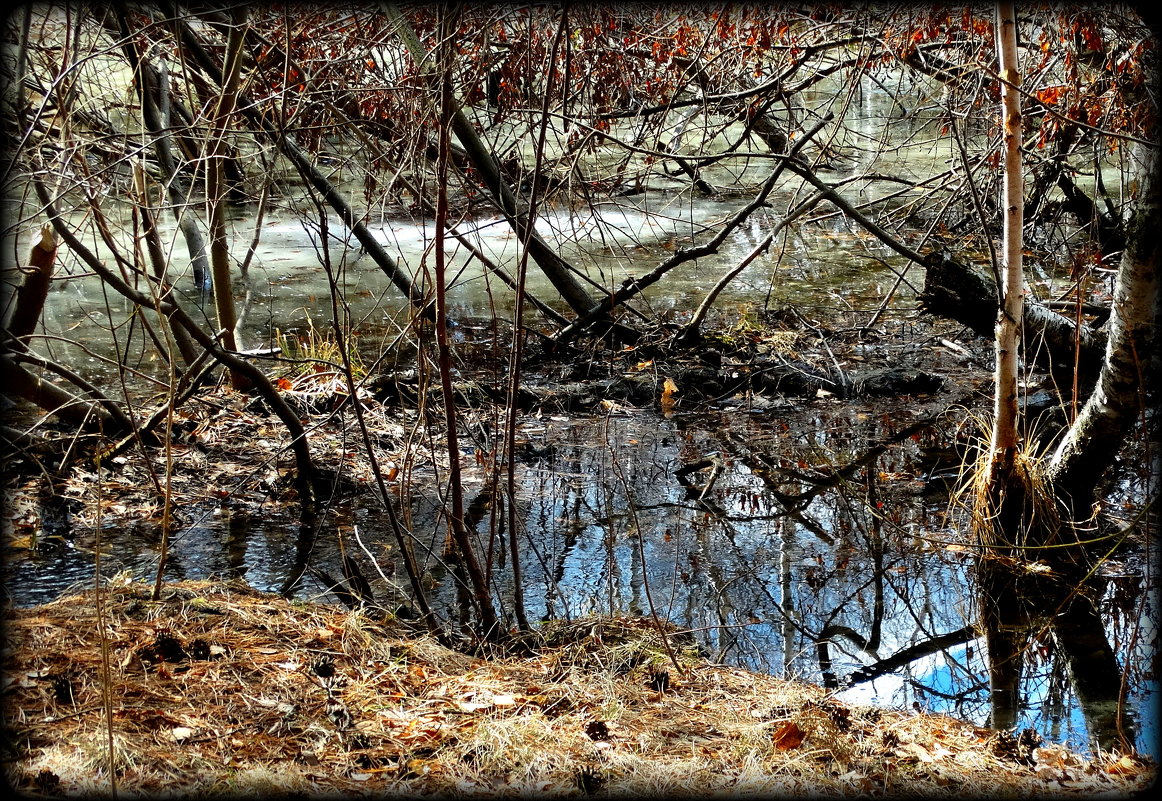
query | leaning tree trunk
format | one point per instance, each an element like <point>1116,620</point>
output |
<point>252,112</point>
<point>153,90</point>
<point>956,291</point>
<point>1123,392</point>
<point>555,268</point>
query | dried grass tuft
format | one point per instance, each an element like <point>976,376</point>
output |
<point>1026,483</point>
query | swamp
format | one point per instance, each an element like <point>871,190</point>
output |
<point>575,400</point>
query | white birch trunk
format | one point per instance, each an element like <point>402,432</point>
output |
<point>1008,330</point>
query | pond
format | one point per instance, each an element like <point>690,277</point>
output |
<point>636,512</point>
<point>865,585</point>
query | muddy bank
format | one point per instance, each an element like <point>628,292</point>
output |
<point>772,356</point>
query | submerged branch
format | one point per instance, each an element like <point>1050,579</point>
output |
<point>87,415</point>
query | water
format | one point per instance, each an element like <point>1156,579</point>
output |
<point>872,567</point>
<point>762,568</point>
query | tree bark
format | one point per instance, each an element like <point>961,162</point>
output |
<point>1124,393</point>
<point>956,291</point>
<point>96,412</point>
<point>223,286</point>
<point>1005,437</point>
<point>1001,504</point>
<point>556,269</point>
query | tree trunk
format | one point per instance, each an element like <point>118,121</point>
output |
<point>157,258</point>
<point>33,291</point>
<point>153,91</point>
<point>1005,436</point>
<point>1001,503</point>
<point>556,269</point>
<point>216,196</point>
<point>1125,392</point>
<point>94,413</point>
<point>954,290</point>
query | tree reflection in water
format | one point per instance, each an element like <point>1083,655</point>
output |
<point>814,542</point>
<point>825,552</point>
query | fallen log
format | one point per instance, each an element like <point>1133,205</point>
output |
<point>86,414</point>
<point>958,292</point>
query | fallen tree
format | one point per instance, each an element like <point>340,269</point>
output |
<point>956,291</point>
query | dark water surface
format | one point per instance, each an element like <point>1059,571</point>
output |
<point>711,518</point>
<point>816,582</point>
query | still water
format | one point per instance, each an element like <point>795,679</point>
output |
<point>804,582</point>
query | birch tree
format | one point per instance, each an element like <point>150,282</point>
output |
<point>1005,434</point>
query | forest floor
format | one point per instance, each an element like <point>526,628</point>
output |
<point>216,690</point>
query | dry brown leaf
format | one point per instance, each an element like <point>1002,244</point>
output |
<point>788,736</point>
<point>1124,766</point>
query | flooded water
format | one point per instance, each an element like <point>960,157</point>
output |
<point>634,512</point>
<point>607,528</point>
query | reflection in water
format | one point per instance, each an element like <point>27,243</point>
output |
<point>851,584</point>
<point>1093,666</point>
<point>730,521</point>
<point>748,540</point>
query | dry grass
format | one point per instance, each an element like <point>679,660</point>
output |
<point>220,691</point>
<point>1025,484</point>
